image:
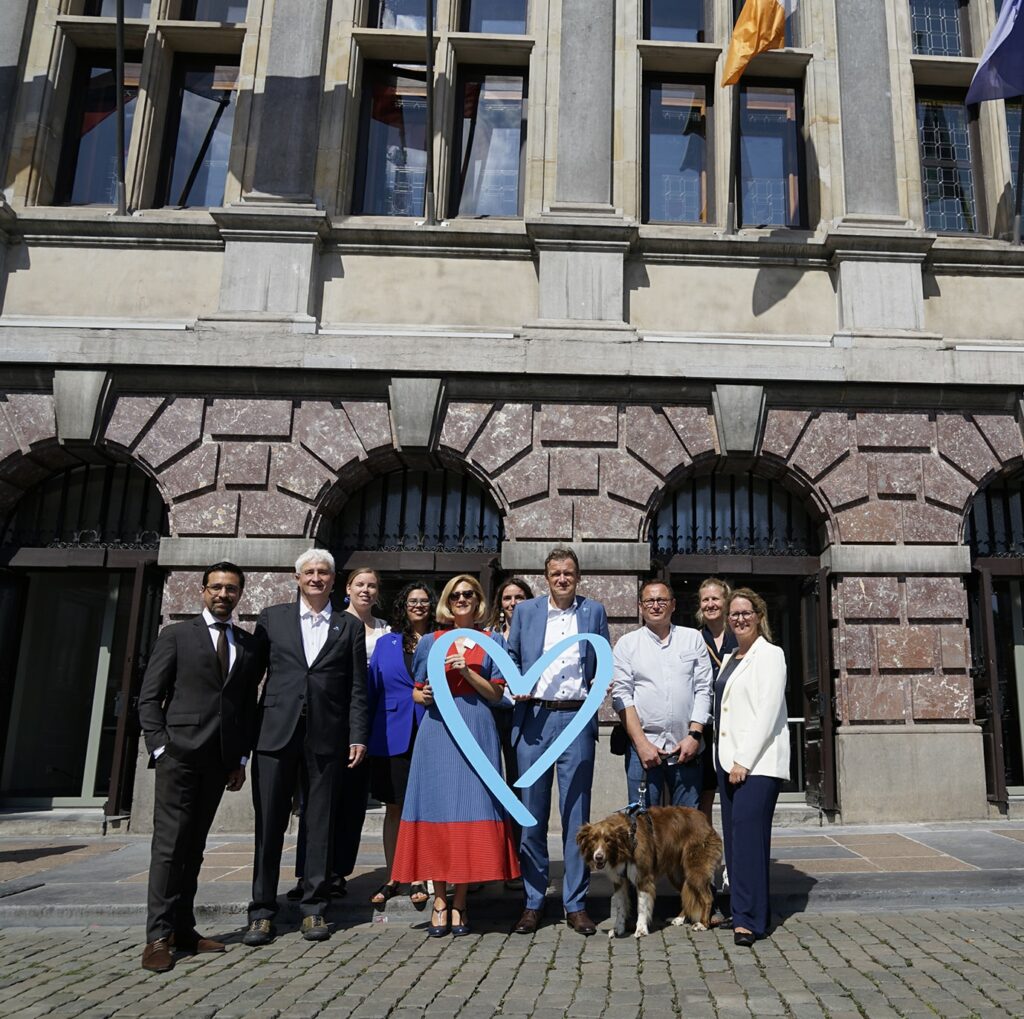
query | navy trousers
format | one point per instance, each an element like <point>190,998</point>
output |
<point>747,811</point>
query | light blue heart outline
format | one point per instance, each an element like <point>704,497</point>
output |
<point>520,685</point>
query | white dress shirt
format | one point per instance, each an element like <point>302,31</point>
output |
<point>563,679</point>
<point>380,627</point>
<point>667,681</point>
<point>315,626</point>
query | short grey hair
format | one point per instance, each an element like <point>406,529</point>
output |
<point>315,555</point>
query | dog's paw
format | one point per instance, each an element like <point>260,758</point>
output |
<point>678,921</point>
<point>641,932</point>
<point>698,926</point>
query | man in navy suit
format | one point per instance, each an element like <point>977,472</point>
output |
<point>539,718</point>
<point>312,719</point>
<point>197,707</point>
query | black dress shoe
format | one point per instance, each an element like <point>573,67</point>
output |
<point>528,922</point>
<point>260,932</point>
<point>581,923</point>
<point>295,894</point>
<point>745,939</point>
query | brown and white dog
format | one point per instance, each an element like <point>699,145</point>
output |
<point>677,842</point>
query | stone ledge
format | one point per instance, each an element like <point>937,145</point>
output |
<point>249,553</point>
<point>595,557</point>
<point>897,559</point>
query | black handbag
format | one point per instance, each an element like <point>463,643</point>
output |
<point>618,740</point>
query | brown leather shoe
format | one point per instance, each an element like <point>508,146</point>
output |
<point>528,922</point>
<point>581,923</point>
<point>158,956</point>
<point>194,943</point>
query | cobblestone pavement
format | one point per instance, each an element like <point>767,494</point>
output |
<point>950,962</point>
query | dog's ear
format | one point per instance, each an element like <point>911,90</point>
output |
<point>618,842</point>
<point>583,836</point>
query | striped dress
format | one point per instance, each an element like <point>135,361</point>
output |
<point>452,826</point>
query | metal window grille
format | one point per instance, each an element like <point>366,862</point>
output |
<point>732,514</point>
<point>947,168</point>
<point>90,506</point>
<point>417,511</point>
<point>937,27</point>
<point>995,524</point>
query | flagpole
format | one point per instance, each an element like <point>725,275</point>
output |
<point>1020,185</point>
<point>734,158</point>
<point>430,217</point>
<point>122,208</point>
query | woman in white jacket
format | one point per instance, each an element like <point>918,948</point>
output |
<point>752,758</point>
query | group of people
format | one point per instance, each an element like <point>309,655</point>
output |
<point>347,706</point>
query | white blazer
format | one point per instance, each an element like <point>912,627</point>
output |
<point>753,731</point>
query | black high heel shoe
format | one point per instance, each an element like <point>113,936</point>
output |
<point>745,939</point>
<point>439,930</point>
<point>460,930</point>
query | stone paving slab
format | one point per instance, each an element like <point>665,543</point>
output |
<point>935,963</point>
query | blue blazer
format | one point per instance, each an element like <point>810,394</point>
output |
<point>392,708</point>
<point>526,643</point>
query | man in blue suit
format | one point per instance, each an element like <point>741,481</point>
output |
<point>539,718</point>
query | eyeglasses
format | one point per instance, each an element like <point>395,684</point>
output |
<point>418,603</point>
<point>462,596</point>
<point>741,615</point>
<point>653,603</point>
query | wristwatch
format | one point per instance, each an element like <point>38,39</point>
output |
<point>698,736</point>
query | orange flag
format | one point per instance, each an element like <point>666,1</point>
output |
<point>761,26</point>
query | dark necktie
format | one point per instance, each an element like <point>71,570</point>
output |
<point>223,652</point>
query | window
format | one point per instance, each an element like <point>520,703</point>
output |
<point>200,117</point>
<point>675,151</point>
<point>88,165</point>
<point>1013,121</point>
<point>108,8</point>
<point>737,6</point>
<point>947,168</point>
<point>391,168</point>
<point>676,20</point>
<point>939,27</point>
<point>214,10</point>
<point>771,157</point>
<point>499,17</point>
<point>410,15</point>
<point>489,142</point>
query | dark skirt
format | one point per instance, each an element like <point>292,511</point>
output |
<point>389,777</point>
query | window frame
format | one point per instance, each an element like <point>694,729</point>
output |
<point>465,7</point>
<point>708,29</point>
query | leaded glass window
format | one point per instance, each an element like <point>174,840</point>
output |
<point>88,168</point>
<point>489,142</point>
<point>771,157</point>
<point>498,17</point>
<point>947,169</point>
<point>676,20</point>
<point>407,15</point>
<point>676,152</point>
<point>392,161</point>
<point>939,27</point>
<point>200,118</point>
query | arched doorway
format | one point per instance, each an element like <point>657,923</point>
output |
<point>753,531</point>
<point>417,525</point>
<point>79,609</point>
<point>995,533</point>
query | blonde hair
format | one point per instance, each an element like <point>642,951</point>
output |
<point>712,582</point>
<point>760,610</point>
<point>444,614</point>
<point>356,573</point>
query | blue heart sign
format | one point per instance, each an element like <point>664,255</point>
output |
<point>520,686</point>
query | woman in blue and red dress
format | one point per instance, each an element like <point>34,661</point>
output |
<point>453,829</point>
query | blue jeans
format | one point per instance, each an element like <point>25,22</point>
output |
<point>683,781</point>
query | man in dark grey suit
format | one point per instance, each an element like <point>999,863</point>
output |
<point>313,714</point>
<point>197,707</point>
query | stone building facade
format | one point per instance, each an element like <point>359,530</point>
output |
<point>262,361</point>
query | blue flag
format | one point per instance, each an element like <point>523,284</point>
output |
<point>1000,74</point>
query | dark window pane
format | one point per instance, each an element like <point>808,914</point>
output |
<point>947,171</point>
<point>675,20</point>
<point>1013,120</point>
<point>214,10</point>
<point>770,157</point>
<point>675,160</point>
<point>410,15</point>
<point>489,146</point>
<point>791,40</point>
<point>200,119</point>
<point>88,173</point>
<point>392,150</point>
<point>937,27</point>
<point>500,17</point>
<point>108,8</point>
